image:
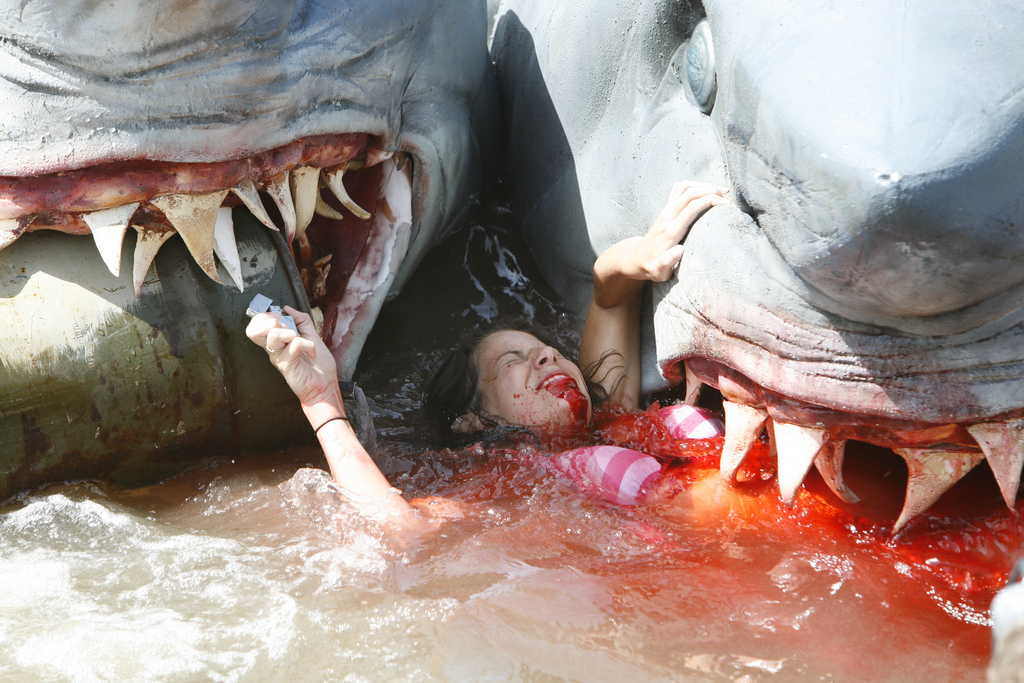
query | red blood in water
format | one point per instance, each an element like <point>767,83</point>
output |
<point>968,541</point>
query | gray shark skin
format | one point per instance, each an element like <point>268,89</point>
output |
<point>359,132</point>
<point>89,83</point>
<point>867,282</point>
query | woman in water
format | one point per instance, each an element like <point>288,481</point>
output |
<point>510,378</point>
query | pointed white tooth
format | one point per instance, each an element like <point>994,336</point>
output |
<point>108,227</point>
<point>335,179</point>
<point>13,228</point>
<point>930,473</point>
<point>830,465</point>
<point>797,447</point>
<point>743,424</point>
<point>305,189</point>
<point>305,250</point>
<point>1003,445</point>
<point>194,216</point>
<point>246,191</point>
<point>280,190</point>
<point>148,243</point>
<point>326,210</point>
<point>693,387</point>
<point>375,155</point>
<point>225,247</point>
<point>318,319</point>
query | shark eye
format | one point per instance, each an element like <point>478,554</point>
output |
<point>700,67</point>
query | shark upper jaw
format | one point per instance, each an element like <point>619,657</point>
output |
<point>343,203</point>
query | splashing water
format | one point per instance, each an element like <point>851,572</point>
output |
<point>256,570</point>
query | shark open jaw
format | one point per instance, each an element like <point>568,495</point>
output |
<point>801,434</point>
<point>343,204</point>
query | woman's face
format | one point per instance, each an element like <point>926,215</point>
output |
<point>525,382</point>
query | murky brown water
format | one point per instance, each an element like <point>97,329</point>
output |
<point>256,571</point>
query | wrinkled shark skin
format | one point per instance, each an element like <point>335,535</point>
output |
<point>867,282</point>
<point>360,131</point>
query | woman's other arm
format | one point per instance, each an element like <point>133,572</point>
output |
<point>311,373</point>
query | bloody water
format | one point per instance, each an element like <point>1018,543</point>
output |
<point>256,570</point>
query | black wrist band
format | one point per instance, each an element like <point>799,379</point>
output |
<point>340,417</point>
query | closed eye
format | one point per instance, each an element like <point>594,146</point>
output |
<point>510,357</point>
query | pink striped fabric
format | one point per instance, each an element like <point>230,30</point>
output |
<point>688,422</point>
<point>618,475</point>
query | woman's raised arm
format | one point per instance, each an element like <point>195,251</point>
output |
<point>611,335</point>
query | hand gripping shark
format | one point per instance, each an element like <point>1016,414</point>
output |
<point>868,283</point>
<point>355,130</point>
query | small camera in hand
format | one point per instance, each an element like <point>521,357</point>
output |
<point>264,304</point>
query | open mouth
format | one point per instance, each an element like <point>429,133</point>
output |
<point>801,434</point>
<point>343,204</point>
<point>558,384</point>
<point>564,387</point>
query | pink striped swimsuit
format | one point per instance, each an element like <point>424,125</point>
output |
<point>624,476</point>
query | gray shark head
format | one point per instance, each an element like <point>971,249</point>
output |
<point>866,284</point>
<point>160,115</point>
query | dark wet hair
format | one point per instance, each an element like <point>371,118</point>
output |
<point>454,390</point>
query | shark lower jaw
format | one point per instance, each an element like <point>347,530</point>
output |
<point>343,204</point>
<point>801,434</point>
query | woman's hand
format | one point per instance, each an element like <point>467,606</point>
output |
<point>303,359</point>
<point>654,255</point>
<point>407,528</point>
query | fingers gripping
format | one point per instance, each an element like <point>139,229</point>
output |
<point>266,330</point>
<point>660,251</point>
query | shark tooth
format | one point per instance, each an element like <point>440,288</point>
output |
<point>279,189</point>
<point>326,210</point>
<point>930,473</point>
<point>797,447</point>
<point>375,155</point>
<point>335,180</point>
<point>305,250</point>
<point>194,216</point>
<point>150,239</point>
<point>225,247</point>
<point>318,319</point>
<point>830,465</point>
<point>693,386</point>
<point>13,228</point>
<point>1003,445</point>
<point>108,227</point>
<point>773,451</point>
<point>246,191</point>
<point>743,424</point>
<point>305,190</point>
